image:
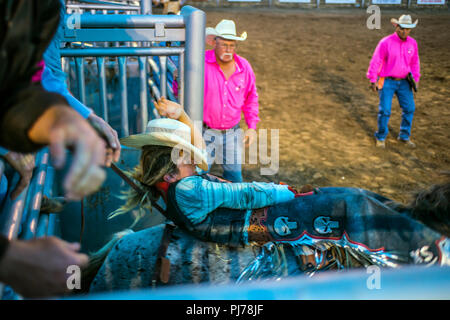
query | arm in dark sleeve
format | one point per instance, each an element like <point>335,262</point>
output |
<point>20,112</point>
<point>27,28</point>
<point>4,243</point>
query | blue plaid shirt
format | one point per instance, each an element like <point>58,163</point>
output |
<point>197,197</point>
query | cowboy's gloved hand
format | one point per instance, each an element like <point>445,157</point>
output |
<point>110,136</point>
<point>62,127</point>
<point>38,268</point>
<point>305,190</point>
<point>24,165</point>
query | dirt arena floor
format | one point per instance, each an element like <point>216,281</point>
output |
<point>310,71</point>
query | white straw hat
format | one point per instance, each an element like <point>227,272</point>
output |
<point>166,132</point>
<point>225,29</point>
<point>405,21</point>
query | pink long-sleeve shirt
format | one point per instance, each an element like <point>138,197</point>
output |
<point>394,57</point>
<point>225,98</point>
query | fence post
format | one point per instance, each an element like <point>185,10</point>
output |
<point>194,62</point>
<point>146,6</point>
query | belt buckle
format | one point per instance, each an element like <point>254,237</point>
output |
<point>206,127</point>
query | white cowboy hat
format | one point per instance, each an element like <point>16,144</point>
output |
<point>405,21</point>
<point>225,29</point>
<point>167,132</point>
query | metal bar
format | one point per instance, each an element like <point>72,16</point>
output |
<point>154,89</point>
<point>102,87</point>
<point>123,51</point>
<point>195,21</point>
<point>44,218</point>
<point>154,111</point>
<point>79,63</point>
<point>181,80</point>
<point>146,7</point>
<point>163,75</point>
<point>102,7</point>
<point>131,21</point>
<point>123,95</point>
<point>51,227</point>
<point>143,93</point>
<point>154,67</point>
<point>99,2</point>
<point>405,283</point>
<point>122,35</point>
<point>13,211</point>
<point>41,230</point>
<point>66,69</point>
<point>171,67</point>
<point>36,190</point>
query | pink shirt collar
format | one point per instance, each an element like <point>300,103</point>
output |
<point>210,57</point>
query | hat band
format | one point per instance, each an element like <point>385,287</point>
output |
<point>183,134</point>
<point>228,34</point>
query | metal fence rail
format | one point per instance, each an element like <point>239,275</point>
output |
<point>94,6</point>
<point>328,3</point>
<point>145,33</point>
<point>21,218</point>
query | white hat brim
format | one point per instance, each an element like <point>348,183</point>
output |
<point>405,25</point>
<point>212,33</point>
<point>138,141</point>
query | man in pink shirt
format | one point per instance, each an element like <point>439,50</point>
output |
<point>229,90</point>
<point>395,58</point>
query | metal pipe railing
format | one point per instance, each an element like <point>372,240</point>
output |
<point>123,95</point>
<point>79,63</point>
<point>36,190</point>
<point>406,283</point>
<point>13,211</point>
<point>194,62</point>
<point>45,227</point>
<point>102,87</point>
<point>121,51</point>
<point>143,29</point>
<point>100,7</point>
<point>143,93</point>
<point>26,206</point>
<point>131,21</point>
<point>161,77</point>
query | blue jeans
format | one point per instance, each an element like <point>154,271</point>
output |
<point>225,148</point>
<point>406,100</point>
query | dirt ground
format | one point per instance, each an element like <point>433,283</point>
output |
<point>310,71</point>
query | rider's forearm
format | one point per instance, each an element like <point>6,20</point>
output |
<point>196,134</point>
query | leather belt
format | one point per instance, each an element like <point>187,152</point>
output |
<point>396,79</point>
<point>206,127</point>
